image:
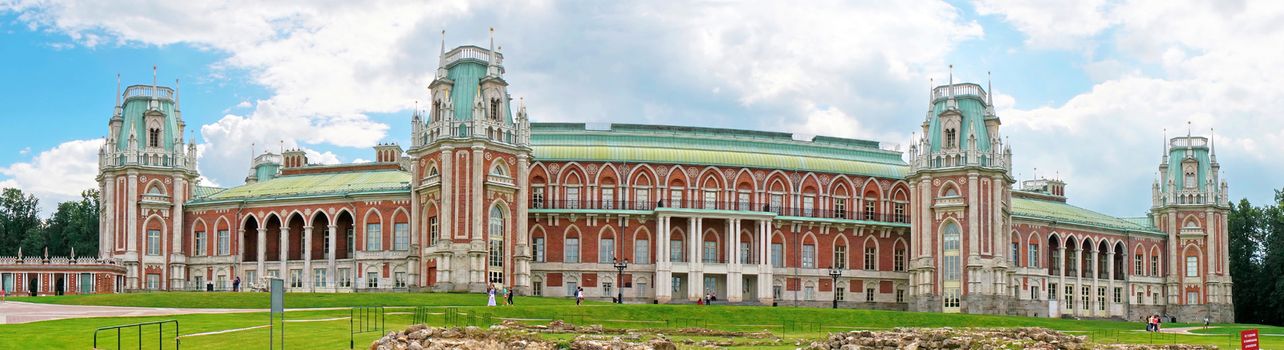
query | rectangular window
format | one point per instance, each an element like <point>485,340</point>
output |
<point>1034,292</point>
<point>869,208</point>
<point>495,253</point>
<point>840,257</point>
<point>351,240</point>
<point>1118,295</point>
<point>1154,265</point>
<point>318,277</point>
<point>153,281</point>
<point>224,243</point>
<point>608,198</point>
<point>343,277</point>
<point>1086,296</point>
<point>742,201</point>
<point>1069,297</point>
<point>537,289</point>
<point>871,255</point>
<point>777,255</point>
<point>745,252</point>
<point>840,208</point>
<point>1192,266</point>
<point>198,282</point>
<point>374,237</point>
<point>1137,265</point>
<point>840,293</point>
<point>433,231</point>
<point>153,242</point>
<point>573,197</point>
<point>399,279</point>
<point>710,199</point>
<point>1033,258</point>
<point>898,260</point>
<point>372,280</point>
<point>221,282</point>
<point>710,252</point>
<point>400,236</point>
<point>571,287</point>
<point>900,295</point>
<point>199,248</point>
<point>1015,258</point>
<point>869,295</point>
<point>642,198</point>
<point>641,251</point>
<point>1052,291</point>
<point>899,211</point>
<point>809,256</point>
<point>537,197</point>
<point>539,249</point>
<point>676,251</point>
<point>777,201</point>
<point>606,288</point>
<point>677,284</point>
<point>1192,298</point>
<point>606,251</point>
<point>675,198</point>
<point>296,278</point>
<point>1101,298</point>
<point>572,253</point>
<point>776,291</point>
<point>809,206</point>
<point>809,293</point>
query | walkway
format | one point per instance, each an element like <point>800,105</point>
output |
<point>12,312</point>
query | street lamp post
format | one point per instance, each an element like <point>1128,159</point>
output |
<point>834,273</point>
<point>620,265</point>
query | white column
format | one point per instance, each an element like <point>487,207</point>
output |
<point>1110,291</point>
<point>331,242</point>
<point>284,248</point>
<point>262,251</point>
<point>131,228</point>
<point>735,279</point>
<point>1061,274</point>
<point>663,268</point>
<point>307,257</point>
<point>1078,277</point>
<point>693,260</point>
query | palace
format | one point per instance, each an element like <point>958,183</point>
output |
<point>483,196</point>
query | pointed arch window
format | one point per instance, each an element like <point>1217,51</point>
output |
<point>495,270</point>
<point>951,138</point>
<point>153,137</point>
<point>494,109</point>
<point>952,265</point>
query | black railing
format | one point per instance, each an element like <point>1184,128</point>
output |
<point>722,205</point>
<point>160,334</point>
<point>364,319</point>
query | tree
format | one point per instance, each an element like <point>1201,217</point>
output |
<point>75,225</point>
<point>19,217</point>
<point>1245,262</point>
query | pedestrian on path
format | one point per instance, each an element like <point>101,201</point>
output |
<point>509,297</point>
<point>490,296</point>
<point>579,295</point>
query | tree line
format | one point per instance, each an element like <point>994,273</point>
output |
<point>73,225</point>
<point>1257,261</point>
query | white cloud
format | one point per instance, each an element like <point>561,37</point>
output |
<point>1051,23</point>
<point>56,175</point>
<point>1201,63</point>
<point>244,104</point>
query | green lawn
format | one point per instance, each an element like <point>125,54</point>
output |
<point>793,323</point>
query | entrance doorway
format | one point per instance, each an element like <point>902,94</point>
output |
<point>59,284</point>
<point>33,285</point>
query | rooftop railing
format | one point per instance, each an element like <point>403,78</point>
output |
<point>962,89</point>
<point>722,205</point>
<point>149,91</point>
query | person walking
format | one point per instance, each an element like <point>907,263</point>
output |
<point>579,295</point>
<point>490,296</point>
<point>509,297</point>
<point>503,294</point>
<point>236,284</point>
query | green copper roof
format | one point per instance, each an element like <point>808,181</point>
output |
<point>1183,148</point>
<point>1066,213</point>
<point>133,111</point>
<point>467,76</point>
<point>710,146</point>
<point>206,191</point>
<point>972,107</point>
<point>315,185</point>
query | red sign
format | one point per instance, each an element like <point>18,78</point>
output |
<point>1248,339</point>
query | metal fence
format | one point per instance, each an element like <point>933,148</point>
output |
<point>364,319</point>
<point>160,334</point>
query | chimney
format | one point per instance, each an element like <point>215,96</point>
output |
<point>294,158</point>
<point>388,153</point>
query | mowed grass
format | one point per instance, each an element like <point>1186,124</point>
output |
<point>331,331</point>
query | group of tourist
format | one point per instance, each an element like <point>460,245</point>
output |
<point>1152,323</point>
<point>505,293</point>
<point>709,298</point>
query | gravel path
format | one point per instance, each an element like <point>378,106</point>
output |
<point>12,312</point>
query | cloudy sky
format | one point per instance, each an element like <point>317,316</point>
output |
<point>1084,89</point>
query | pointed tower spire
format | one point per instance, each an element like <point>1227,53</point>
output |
<point>1212,146</point>
<point>951,78</point>
<point>989,90</point>
<point>153,80</point>
<point>492,45</point>
<point>178,86</point>
<point>117,89</point>
<point>1165,146</point>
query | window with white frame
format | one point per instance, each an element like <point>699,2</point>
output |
<point>318,277</point>
<point>641,251</point>
<point>869,208</point>
<point>1015,257</point>
<point>608,198</point>
<point>742,201</point>
<point>606,251</point>
<point>199,239</point>
<point>710,199</point>
<point>869,295</point>
<point>572,253</point>
<point>1101,298</point>
<point>374,237</point>
<point>224,243</point>
<point>1154,265</point>
<point>153,281</point>
<point>572,197</point>
<point>399,279</point>
<point>434,232</point>
<point>351,240</point>
<point>1138,263</point>
<point>153,242</point>
<point>296,278</point>
<point>710,252</point>
<point>840,293</point>
<point>676,251</point>
<point>537,197</point>
<point>538,247</point>
<point>372,279</point>
<point>1192,266</point>
<point>1033,259</point>
<point>871,258</point>
<point>343,277</point>
<point>808,205</point>
<point>840,257</point>
<point>898,260</point>
<point>495,239</point>
<point>641,198</point>
<point>675,198</point>
<point>900,295</point>
<point>809,256</point>
<point>1118,295</point>
<point>777,201</point>
<point>400,236</point>
<point>777,255</point>
<point>840,208</point>
<point>745,252</point>
<point>899,211</point>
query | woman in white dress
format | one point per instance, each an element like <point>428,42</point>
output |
<point>490,296</point>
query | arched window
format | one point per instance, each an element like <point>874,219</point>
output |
<point>494,109</point>
<point>495,261</point>
<point>153,137</point>
<point>951,136</point>
<point>1189,176</point>
<point>499,169</point>
<point>951,192</point>
<point>952,266</point>
<point>436,111</point>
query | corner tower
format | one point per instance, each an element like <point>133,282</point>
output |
<point>470,163</point>
<point>1190,204</point>
<point>961,188</point>
<point>145,174</point>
